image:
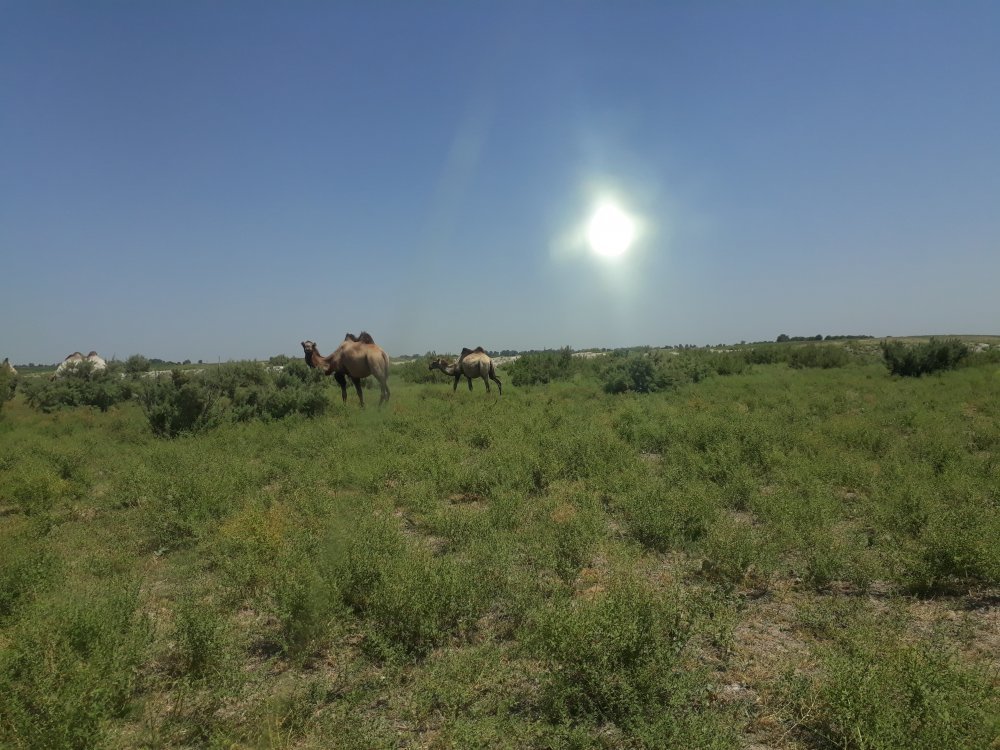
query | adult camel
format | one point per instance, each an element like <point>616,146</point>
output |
<point>68,364</point>
<point>97,364</point>
<point>473,363</point>
<point>356,358</point>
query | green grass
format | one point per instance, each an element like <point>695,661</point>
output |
<point>803,558</point>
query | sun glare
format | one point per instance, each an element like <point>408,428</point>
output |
<point>610,231</point>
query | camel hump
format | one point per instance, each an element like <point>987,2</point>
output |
<point>466,351</point>
<point>364,337</point>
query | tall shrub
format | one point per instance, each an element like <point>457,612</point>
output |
<point>936,355</point>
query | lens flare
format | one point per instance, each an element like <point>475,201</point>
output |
<point>610,231</point>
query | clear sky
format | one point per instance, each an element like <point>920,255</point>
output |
<point>218,179</point>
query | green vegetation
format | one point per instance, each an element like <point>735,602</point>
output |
<point>81,386</point>
<point>914,360</point>
<point>417,370</point>
<point>232,392</point>
<point>824,356</point>
<point>728,550</point>
<point>8,386</point>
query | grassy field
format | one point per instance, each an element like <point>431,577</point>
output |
<point>776,559</point>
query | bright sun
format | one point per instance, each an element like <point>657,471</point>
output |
<point>610,231</point>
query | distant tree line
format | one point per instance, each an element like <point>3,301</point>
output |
<point>783,337</point>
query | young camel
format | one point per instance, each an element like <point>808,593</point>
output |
<point>356,358</point>
<point>474,363</point>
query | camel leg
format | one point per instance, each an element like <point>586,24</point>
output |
<point>384,386</point>
<point>357,387</point>
<point>486,380</point>
<point>470,381</point>
<point>342,382</point>
<point>496,380</point>
<point>455,386</point>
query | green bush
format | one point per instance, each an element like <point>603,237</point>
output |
<point>71,665</point>
<point>663,516</point>
<point>80,386</point>
<point>234,392</point>
<point>616,658</point>
<point>888,694</point>
<point>8,385</point>
<point>987,356</point>
<point>953,550</point>
<point>419,371</point>
<point>823,356</point>
<point>177,405</point>
<point>411,599</point>
<point>636,374</point>
<point>767,354</point>
<point>136,365</point>
<point>539,368</point>
<point>913,361</point>
<point>641,372</point>
<point>609,657</point>
<point>736,552</point>
<point>199,635</point>
<point>26,568</point>
<point>729,363</point>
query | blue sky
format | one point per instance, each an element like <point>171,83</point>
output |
<point>220,180</point>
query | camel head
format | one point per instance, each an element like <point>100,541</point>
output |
<point>439,364</point>
<point>309,347</point>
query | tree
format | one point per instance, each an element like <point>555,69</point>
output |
<point>782,338</point>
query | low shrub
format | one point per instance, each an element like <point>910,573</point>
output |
<point>199,635</point>
<point>767,354</point>
<point>641,372</point>
<point>953,550</point>
<point>411,599</point>
<point>823,356</point>
<point>936,355</point>
<point>663,517</point>
<point>177,405</point>
<point>80,386</point>
<point>8,386</point>
<point>419,371</point>
<point>234,392</point>
<point>26,568</point>
<point>70,666</point>
<point>616,658</point>
<point>878,693</point>
<point>729,363</point>
<point>539,368</point>
<point>736,552</point>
